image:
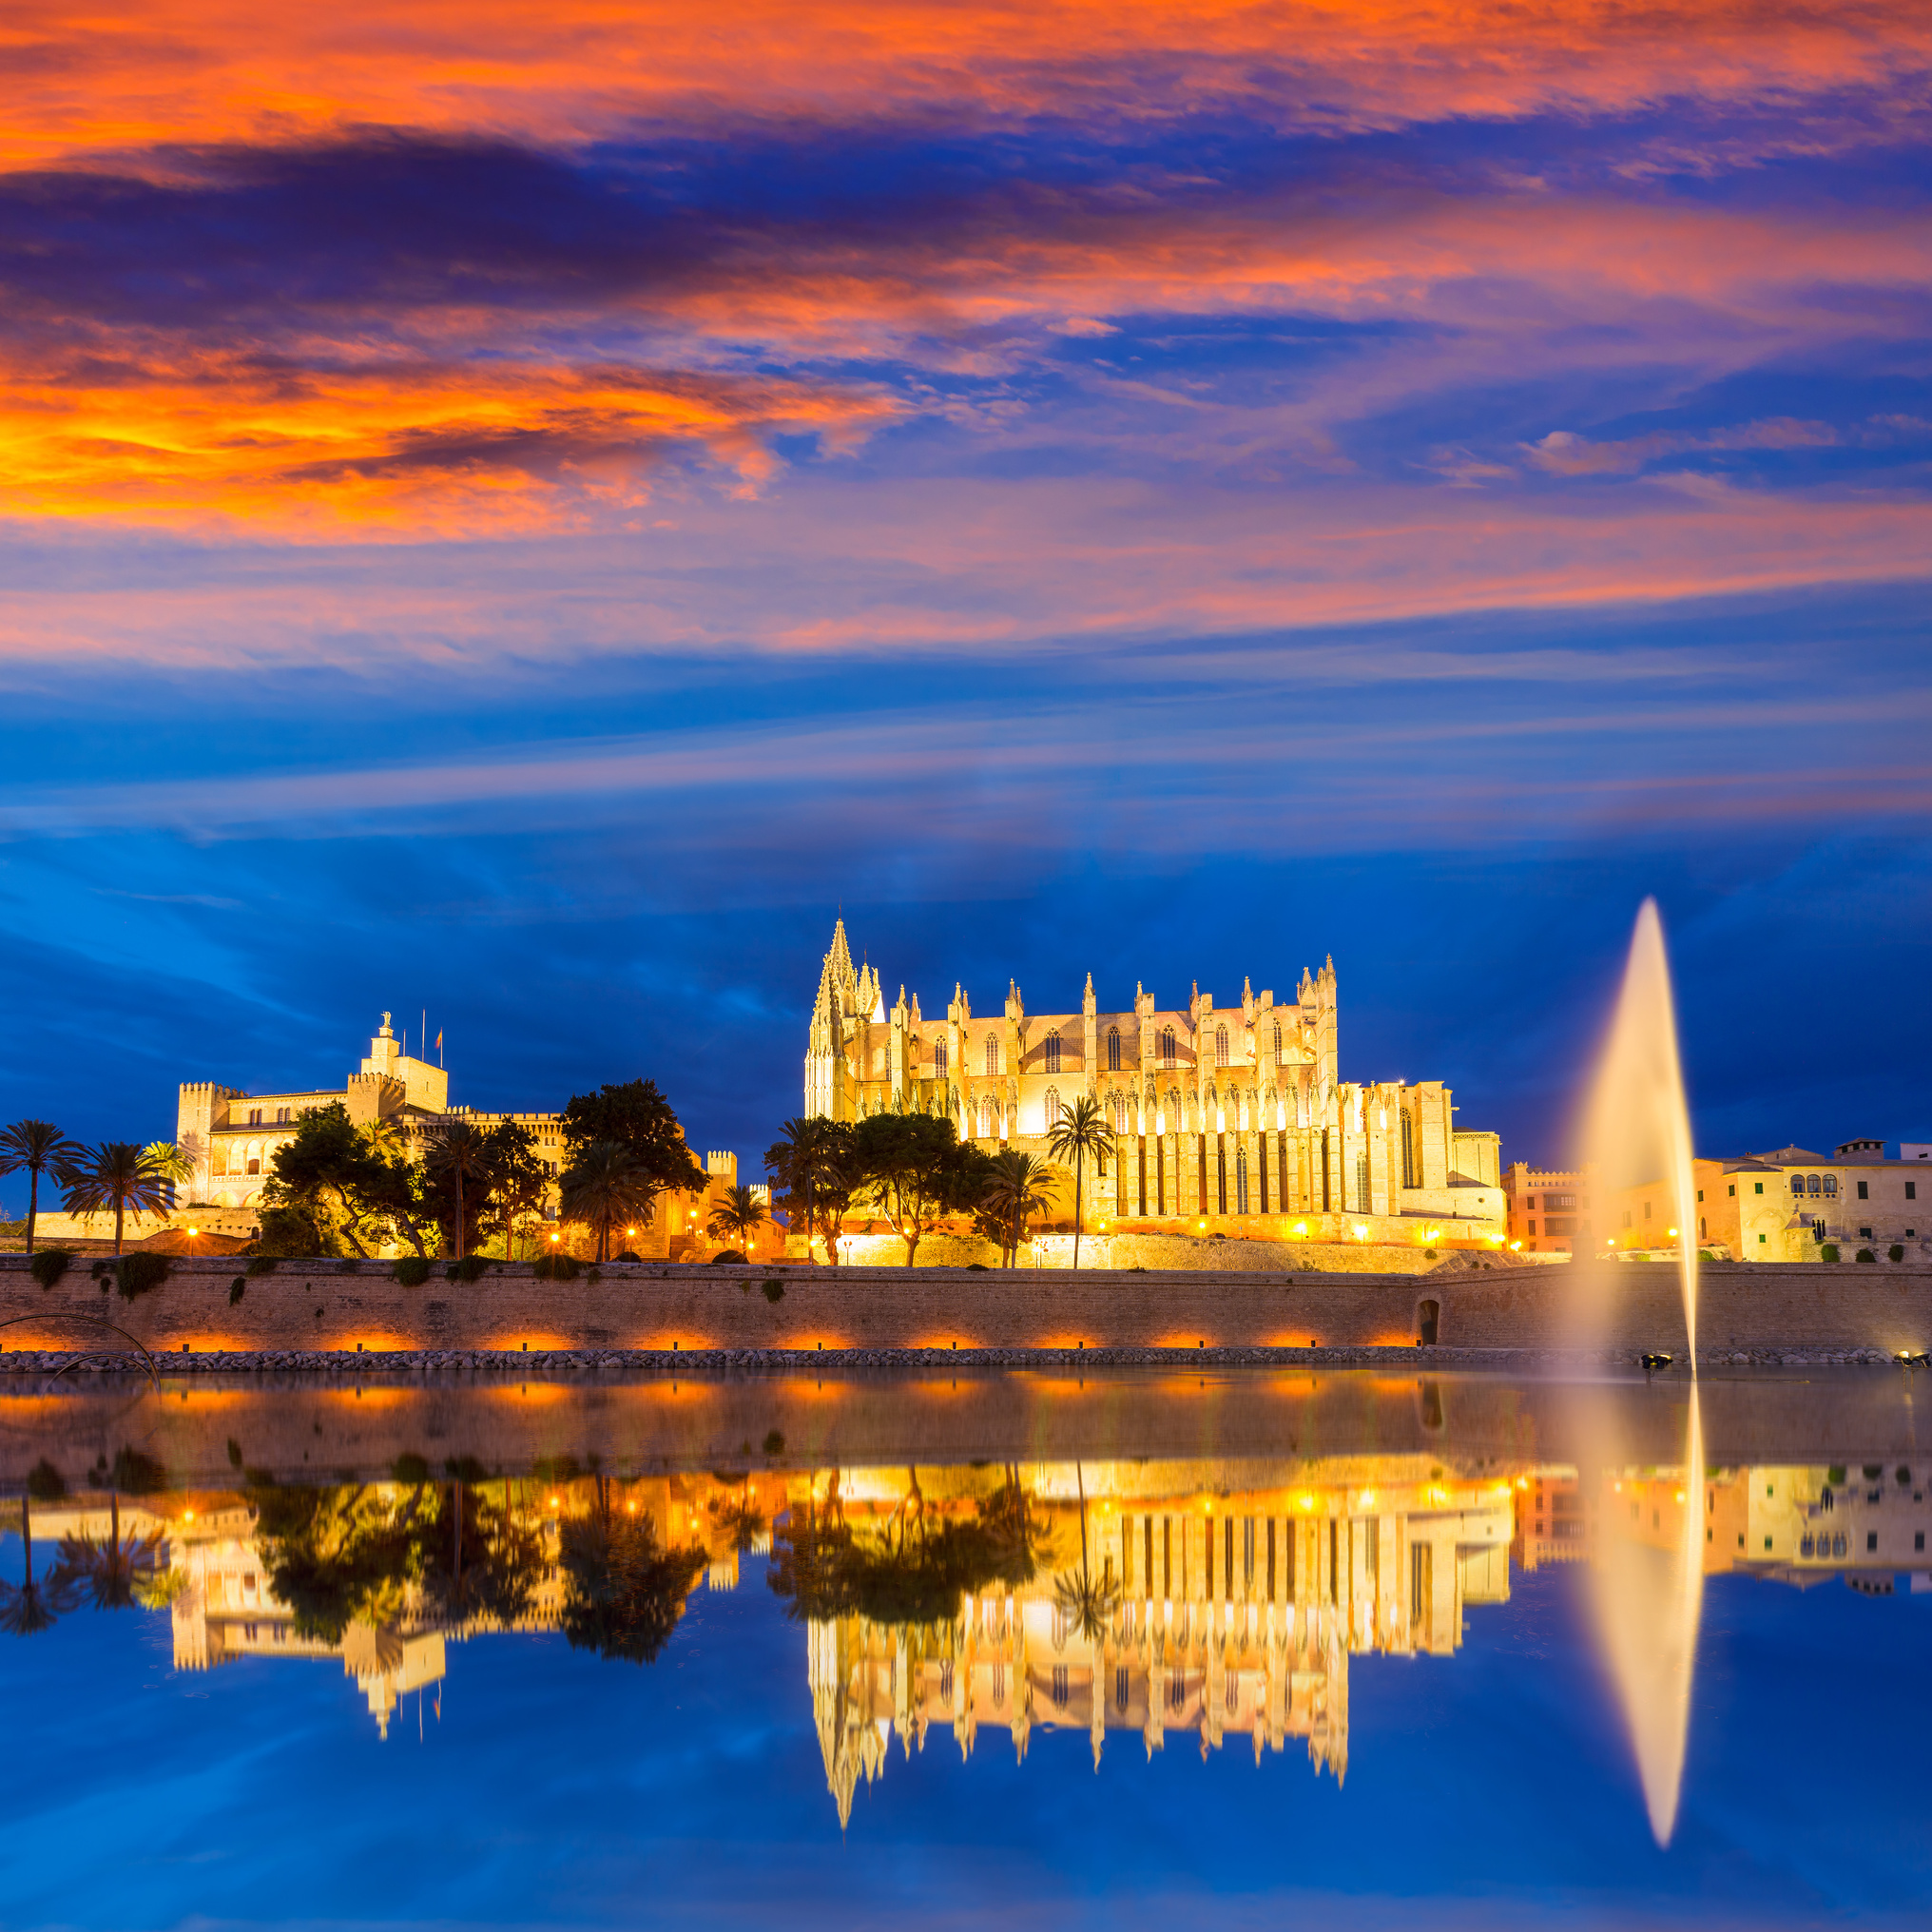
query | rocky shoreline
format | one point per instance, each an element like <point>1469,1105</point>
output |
<point>339,1363</point>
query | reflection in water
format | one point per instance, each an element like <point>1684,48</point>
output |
<point>1212,1598</point>
<point>1638,1129</point>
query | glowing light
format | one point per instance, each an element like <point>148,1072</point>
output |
<point>1302,1229</point>
<point>1367,1498</point>
<point>553,1502</point>
<point>1360,1230</point>
<point>188,1515</point>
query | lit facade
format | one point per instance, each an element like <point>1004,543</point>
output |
<point>1227,1115</point>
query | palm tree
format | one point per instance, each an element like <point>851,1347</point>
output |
<point>1079,1135</point>
<point>605,1186</point>
<point>116,1174</point>
<point>39,1147</point>
<point>1018,1191</point>
<point>116,1574</point>
<point>796,1163</point>
<point>28,1608</point>
<point>1088,1603</point>
<point>459,1151</point>
<point>738,1214</point>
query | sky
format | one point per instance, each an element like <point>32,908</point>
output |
<point>525,514</point>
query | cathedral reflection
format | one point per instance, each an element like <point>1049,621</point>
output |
<point>1211,1600</point>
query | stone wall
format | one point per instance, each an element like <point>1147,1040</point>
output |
<point>1163,1253</point>
<point>341,1306</point>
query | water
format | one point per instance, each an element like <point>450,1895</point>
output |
<point>871,1694</point>
<point>1647,1600</point>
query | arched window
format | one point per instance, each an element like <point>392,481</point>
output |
<point>985,1118</point>
<point>940,1060</point>
<point>1052,1054</point>
<point>1167,1046</point>
<point>1113,1050</point>
<point>1831,1185</point>
<point>1278,1042</point>
<point>1813,1184</point>
<point>1053,1113</point>
<point>1408,1149</point>
<point>1220,1046</point>
<point>1241,1181</point>
<point>992,1055</point>
<point>1797,1184</point>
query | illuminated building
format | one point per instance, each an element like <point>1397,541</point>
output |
<point>1235,1116</point>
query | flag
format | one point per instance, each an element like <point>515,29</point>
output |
<point>439,1039</point>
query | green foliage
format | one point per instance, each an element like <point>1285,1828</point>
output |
<point>412,1271</point>
<point>1081,1134</point>
<point>297,1229</point>
<point>623,1593</point>
<point>904,1573</point>
<point>48,1265</point>
<point>815,1176</point>
<point>469,1269</point>
<point>774,1442</point>
<point>593,1273</point>
<point>410,1467</point>
<point>773,1291</point>
<point>348,1183</point>
<point>607,1185</point>
<point>1828,1252</point>
<point>555,1267</point>
<point>628,1255</point>
<point>117,1177</point>
<point>140,1274</point>
<point>1896,1252</point>
<point>916,1170</point>
<point>739,1213</point>
<point>40,1148</point>
<point>978,1267</point>
<point>45,1483</point>
<point>137,1473</point>
<point>1835,1475</point>
<point>564,1468</point>
<point>637,1116</point>
<point>1014,1192</point>
<point>1865,1255</point>
<point>237,1288</point>
<point>261,1265</point>
<point>729,1254</point>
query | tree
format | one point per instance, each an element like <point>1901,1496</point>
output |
<point>171,1161</point>
<point>116,1574</point>
<point>116,1174</point>
<point>1087,1602</point>
<point>638,1116</point>
<point>1015,1191</point>
<point>1080,1134</point>
<point>28,1608</point>
<point>916,1171</point>
<point>40,1148</point>
<point>841,1181</point>
<point>605,1186</point>
<point>803,1164</point>
<point>624,1591</point>
<point>517,1177</point>
<point>738,1216</point>
<point>329,1172</point>
<point>459,1152</point>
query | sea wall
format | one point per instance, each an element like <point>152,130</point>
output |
<point>1161,1252</point>
<point>344,1306</point>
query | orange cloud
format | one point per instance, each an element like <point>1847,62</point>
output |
<point>389,447</point>
<point>154,73</point>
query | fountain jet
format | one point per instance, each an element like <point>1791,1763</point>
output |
<point>1649,1582</point>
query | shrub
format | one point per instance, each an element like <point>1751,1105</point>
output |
<point>137,1474</point>
<point>773,1291</point>
<point>774,1442</point>
<point>555,1469</point>
<point>730,1254</point>
<point>1835,1475</point>
<point>48,1265</point>
<point>237,1288</point>
<point>1428,1254</point>
<point>978,1267</point>
<point>1865,1255</point>
<point>464,1469</point>
<point>556,1267</point>
<point>410,1467</point>
<point>469,1269</point>
<point>1828,1252</point>
<point>636,1258</point>
<point>261,1265</point>
<point>140,1274</point>
<point>1896,1252</point>
<point>412,1271</point>
<point>45,1483</point>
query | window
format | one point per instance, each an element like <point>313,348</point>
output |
<point>1052,1054</point>
<point>1278,1041</point>
<point>1408,1149</point>
<point>1647,1210</point>
<point>281,1116</point>
<point>1120,1686</point>
<point>1700,1194</point>
<point>1864,1191</point>
<point>1911,1191</point>
<point>1732,1190</point>
<point>1113,1050</point>
<point>1812,1184</point>
<point>992,1055</point>
<point>1797,1184</point>
<point>1757,1186</point>
<point>985,1118</point>
<point>1831,1186</point>
<point>1241,1181</point>
<point>254,1117</point>
<point>1221,1049</point>
<point>1872,1540</point>
<point>1052,1114</point>
<point>1533,1231</point>
<point>1167,1046</point>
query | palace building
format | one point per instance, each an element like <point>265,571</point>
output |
<point>1223,1114</point>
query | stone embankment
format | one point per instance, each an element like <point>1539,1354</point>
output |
<point>327,1313</point>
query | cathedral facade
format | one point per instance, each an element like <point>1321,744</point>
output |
<point>1222,1115</point>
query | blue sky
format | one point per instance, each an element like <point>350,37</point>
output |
<point>498,524</point>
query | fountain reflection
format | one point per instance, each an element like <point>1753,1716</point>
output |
<point>1648,1602</point>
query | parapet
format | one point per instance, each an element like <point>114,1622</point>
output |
<point>722,1167</point>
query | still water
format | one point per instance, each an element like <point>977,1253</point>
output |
<point>1130,1650</point>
